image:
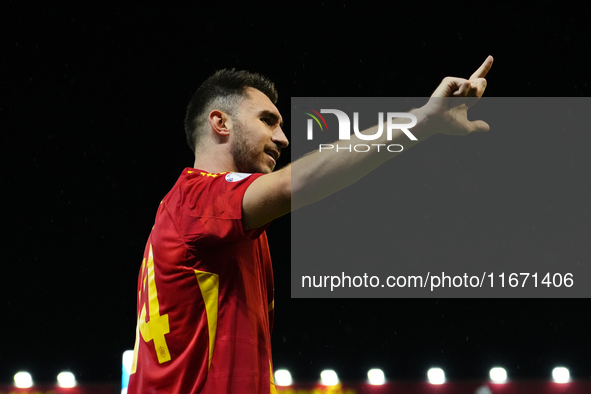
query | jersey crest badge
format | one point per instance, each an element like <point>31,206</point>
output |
<point>236,176</point>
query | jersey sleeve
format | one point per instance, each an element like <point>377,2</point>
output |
<point>211,208</point>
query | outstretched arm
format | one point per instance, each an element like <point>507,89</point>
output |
<point>319,174</point>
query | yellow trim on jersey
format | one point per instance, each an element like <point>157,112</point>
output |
<point>271,305</point>
<point>137,343</point>
<point>209,285</point>
<point>208,174</point>
<point>273,389</point>
<point>212,175</point>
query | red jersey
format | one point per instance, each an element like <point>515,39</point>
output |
<point>205,294</point>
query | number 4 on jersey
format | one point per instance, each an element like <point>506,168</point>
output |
<point>157,327</point>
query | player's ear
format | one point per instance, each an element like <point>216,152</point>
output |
<point>220,123</point>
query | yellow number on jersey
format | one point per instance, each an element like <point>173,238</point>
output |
<point>158,326</point>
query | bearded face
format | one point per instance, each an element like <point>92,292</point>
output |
<point>249,151</point>
<point>256,136</point>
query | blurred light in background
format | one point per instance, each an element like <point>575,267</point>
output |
<point>376,376</point>
<point>328,377</point>
<point>66,380</point>
<point>23,380</point>
<point>498,375</point>
<point>126,370</point>
<point>436,376</point>
<point>283,378</point>
<point>561,375</point>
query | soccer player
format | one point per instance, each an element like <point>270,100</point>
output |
<point>205,288</point>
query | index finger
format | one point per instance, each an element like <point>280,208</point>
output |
<point>483,69</point>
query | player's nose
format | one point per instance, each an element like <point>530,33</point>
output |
<point>279,138</point>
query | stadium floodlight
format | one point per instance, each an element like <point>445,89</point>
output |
<point>561,375</point>
<point>376,377</point>
<point>283,377</point>
<point>66,380</point>
<point>328,377</point>
<point>126,370</point>
<point>23,380</point>
<point>127,360</point>
<point>498,375</point>
<point>436,376</point>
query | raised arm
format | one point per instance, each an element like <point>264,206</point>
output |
<point>320,174</point>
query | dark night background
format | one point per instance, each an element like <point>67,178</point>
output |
<point>92,139</point>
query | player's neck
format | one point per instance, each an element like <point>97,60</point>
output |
<point>214,162</point>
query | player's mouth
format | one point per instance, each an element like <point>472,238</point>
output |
<point>273,154</point>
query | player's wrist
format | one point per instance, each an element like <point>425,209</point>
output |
<point>426,123</point>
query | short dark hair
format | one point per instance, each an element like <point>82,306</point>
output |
<point>224,90</point>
